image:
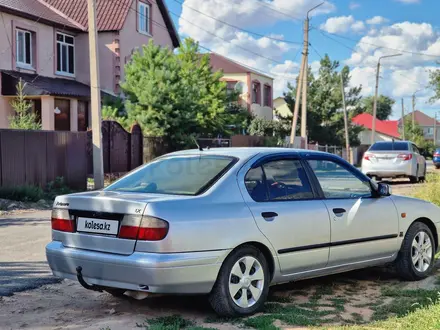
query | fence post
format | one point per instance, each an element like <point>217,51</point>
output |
<point>326,148</point>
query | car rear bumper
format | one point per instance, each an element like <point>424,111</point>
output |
<point>388,171</point>
<point>193,273</point>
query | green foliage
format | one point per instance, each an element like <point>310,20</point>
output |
<point>384,106</point>
<point>30,193</point>
<point>23,118</point>
<point>22,193</point>
<point>177,95</point>
<point>430,190</point>
<point>434,82</point>
<point>114,109</point>
<point>325,118</point>
<point>414,133</point>
<point>274,131</point>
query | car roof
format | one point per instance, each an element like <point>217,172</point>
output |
<point>244,152</point>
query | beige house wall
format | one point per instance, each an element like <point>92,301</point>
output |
<point>257,109</point>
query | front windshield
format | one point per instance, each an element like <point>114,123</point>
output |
<point>183,175</point>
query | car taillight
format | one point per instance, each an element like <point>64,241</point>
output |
<point>367,157</point>
<point>144,228</point>
<point>405,157</point>
<point>436,155</point>
<point>61,221</point>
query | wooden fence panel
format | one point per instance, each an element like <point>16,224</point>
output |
<point>76,160</point>
<point>136,147</point>
<point>35,144</point>
<point>247,141</point>
<point>155,147</point>
<point>105,146</point>
<point>120,148</point>
<point>13,162</point>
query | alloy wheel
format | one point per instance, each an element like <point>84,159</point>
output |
<point>421,251</point>
<point>246,282</point>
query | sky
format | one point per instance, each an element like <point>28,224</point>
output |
<point>267,35</point>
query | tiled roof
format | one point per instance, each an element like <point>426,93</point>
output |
<point>110,14</point>
<point>387,127</point>
<point>219,62</point>
<point>37,10</point>
<point>39,85</point>
<point>422,119</point>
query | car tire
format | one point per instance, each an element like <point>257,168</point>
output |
<point>233,278</point>
<point>115,292</point>
<point>416,256</point>
<point>416,178</point>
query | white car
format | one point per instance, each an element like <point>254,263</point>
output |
<point>396,159</point>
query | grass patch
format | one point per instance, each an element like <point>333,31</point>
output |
<point>404,302</point>
<point>429,191</point>
<point>174,322</point>
<point>35,193</point>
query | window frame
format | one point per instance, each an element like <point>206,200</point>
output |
<point>63,43</point>
<point>256,93</point>
<point>272,158</point>
<point>140,14</point>
<point>356,173</point>
<point>268,97</point>
<point>19,64</point>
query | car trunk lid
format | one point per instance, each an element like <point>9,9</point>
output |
<point>97,219</point>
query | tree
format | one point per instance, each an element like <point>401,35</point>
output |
<point>23,118</point>
<point>414,133</point>
<point>384,106</point>
<point>325,118</point>
<point>434,82</point>
<point>177,95</point>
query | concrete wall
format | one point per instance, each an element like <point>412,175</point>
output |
<point>239,77</point>
<point>257,109</point>
<point>44,59</point>
<point>130,38</point>
<point>365,137</point>
<point>5,111</point>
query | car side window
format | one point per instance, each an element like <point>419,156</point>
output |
<point>415,149</point>
<point>280,180</point>
<point>337,182</point>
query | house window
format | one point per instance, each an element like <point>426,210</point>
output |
<point>144,18</point>
<point>230,86</point>
<point>24,49</point>
<point>430,131</point>
<point>65,54</point>
<point>267,96</point>
<point>256,92</point>
<point>62,115</point>
<point>83,116</point>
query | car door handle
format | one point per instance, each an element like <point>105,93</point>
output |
<point>339,211</point>
<point>269,216</point>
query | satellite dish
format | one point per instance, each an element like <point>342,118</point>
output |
<point>240,87</point>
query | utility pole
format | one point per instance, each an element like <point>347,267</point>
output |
<point>413,109</point>
<point>347,141</point>
<point>305,74</point>
<point>297,102</point>
<point>403,121</point>
<point>95,91</point>
<point>302,85</point>
<point>373,132</point>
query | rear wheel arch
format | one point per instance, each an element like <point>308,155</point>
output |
<point>264,250</point>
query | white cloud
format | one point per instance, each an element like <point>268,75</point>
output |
<point>408,1</point>
<point>354,5</point>
<point>377,20</point>
<point>415,37</point>
<point>342,24</point>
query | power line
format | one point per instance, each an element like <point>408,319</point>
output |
<point>379,46</point>
<point>237,27</point>
<point>269,6</point>
<point>316,51</point>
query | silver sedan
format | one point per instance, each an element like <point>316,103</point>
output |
<point>231,222</point>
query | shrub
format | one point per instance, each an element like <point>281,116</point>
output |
<point>431,190</point>
<point>22,193</point>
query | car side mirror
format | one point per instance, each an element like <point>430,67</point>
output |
<point>383,190</point>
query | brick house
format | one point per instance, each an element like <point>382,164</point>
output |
<point>45,43</point>
<point>255,88</point>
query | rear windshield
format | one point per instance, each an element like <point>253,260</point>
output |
<point>184,175</point>
<point>388,146</point>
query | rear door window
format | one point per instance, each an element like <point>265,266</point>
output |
<point>280,180</point>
